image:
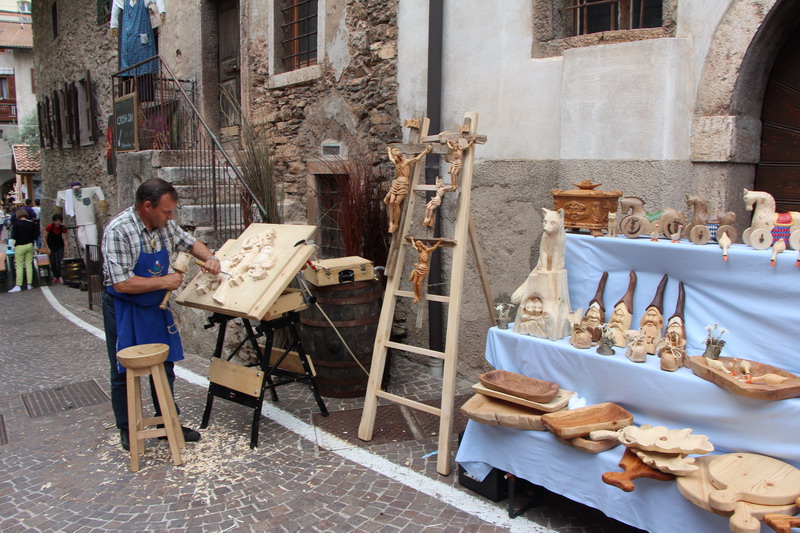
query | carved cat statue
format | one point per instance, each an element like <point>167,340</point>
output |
<point>553,244</point>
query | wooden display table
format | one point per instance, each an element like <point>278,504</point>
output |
<point>736,294</point>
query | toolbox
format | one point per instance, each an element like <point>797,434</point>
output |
<point>339,270</point>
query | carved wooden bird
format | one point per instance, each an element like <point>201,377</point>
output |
<point>777,248</point>
<point>675,237</point>
<point>744,368</point>
<point>654,235</point>
<point>716,364</point>
<point>724,243</point>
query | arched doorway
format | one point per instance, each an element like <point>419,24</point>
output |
<point>778,171</point>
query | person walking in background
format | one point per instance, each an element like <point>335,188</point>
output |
<point>55,239</point>
<point>24,232</point>
<point>2,220</point>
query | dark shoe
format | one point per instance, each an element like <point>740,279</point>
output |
<point>124,440</point>
<point>189,434</point>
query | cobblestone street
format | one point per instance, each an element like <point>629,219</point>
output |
<point>65,470</point>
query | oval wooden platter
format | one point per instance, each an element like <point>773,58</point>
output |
<point>494,412</point>
<point>556,404</point>
<point>518,385</point>
<point>582,421</point>
<point>757,391</point>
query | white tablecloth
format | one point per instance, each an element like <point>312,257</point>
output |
<point>745,295</point>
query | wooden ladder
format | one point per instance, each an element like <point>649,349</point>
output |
<point>464,228</point>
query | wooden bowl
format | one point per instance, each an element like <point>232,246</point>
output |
<point>790,388</point>
<point>143,355</point>
<point>582,421</point>
<point>518,385</point>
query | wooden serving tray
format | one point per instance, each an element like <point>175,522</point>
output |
<point>518,385</point>
<point>582,421</point>
<point>487,410</point>
<point>556,404</point>
<point>632,468</point>
<point>757,391</point>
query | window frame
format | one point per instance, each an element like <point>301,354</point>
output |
<point>278,76</point>
<point>551,35</point>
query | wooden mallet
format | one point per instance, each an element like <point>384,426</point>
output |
<point>180,265</point>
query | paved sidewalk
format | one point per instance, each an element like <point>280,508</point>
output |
<point>65,471</point>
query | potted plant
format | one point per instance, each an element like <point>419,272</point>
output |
<point>714,342</point>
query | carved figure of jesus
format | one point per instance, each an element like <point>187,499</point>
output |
<point>400,185</point>
<point>435,202</point>
<point>421,267</point>
<point>456,159</point>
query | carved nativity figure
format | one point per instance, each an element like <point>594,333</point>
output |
<point>534,321</point>
<point>400,185</point>
<point>433,205</point>
<point>255,259</point>
<point>422,266</point>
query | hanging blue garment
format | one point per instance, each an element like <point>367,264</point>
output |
<point>139,318</point>
<point>137,42</point>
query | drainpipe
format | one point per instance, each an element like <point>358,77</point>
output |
<point>434,113</point>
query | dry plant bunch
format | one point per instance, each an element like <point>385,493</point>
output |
<point>358,207</point>
<point>256,166</point>
<point>715,334</point>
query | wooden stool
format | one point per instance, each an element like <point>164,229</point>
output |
<point>145,360</point>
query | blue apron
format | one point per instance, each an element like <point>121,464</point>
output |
<point>136,43</point>
<point>139,319</point>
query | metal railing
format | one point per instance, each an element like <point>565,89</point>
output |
<point>215,194</point>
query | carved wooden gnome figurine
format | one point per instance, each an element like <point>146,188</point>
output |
<point>672,348</point>
<point>652,321</point>
<point>620,321</point>
<point>596,312</point>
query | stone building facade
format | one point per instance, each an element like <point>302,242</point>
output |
<point>653,111</point>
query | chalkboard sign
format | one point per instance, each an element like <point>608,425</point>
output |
<point>126,127</point>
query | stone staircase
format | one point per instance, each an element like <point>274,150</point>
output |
<point>192,214</point>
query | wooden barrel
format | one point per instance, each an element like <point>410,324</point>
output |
<point>72,271</point>
<point>354,308</point>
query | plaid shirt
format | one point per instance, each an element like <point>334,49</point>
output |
<point>126,235</point>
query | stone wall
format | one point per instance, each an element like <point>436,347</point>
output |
<point>354,100</point>
<point>81,45</point>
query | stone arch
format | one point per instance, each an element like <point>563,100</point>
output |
<point>726,129</point>
<point>732,84</point>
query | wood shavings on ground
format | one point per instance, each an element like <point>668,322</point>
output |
<point>219,459</point>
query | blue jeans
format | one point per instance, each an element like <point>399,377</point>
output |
<point>119,388</point>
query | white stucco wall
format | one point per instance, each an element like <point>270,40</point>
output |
<point>626,101</point>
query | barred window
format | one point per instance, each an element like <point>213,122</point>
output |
<point>298,34</point>
<point>582,17</point>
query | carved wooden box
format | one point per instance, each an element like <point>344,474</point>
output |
<point>586,207</point>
